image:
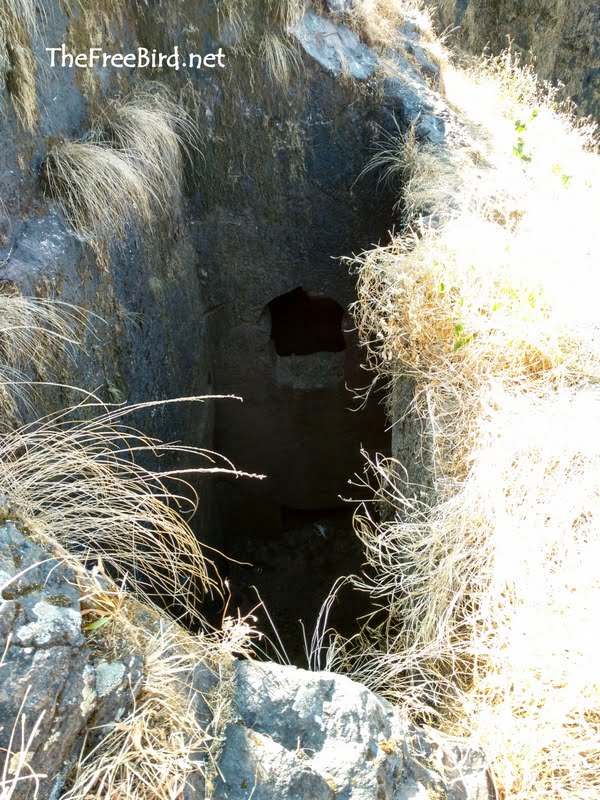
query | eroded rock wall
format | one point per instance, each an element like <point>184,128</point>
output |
<point>562,36</point>
<point>277,190</point>
<point>148,338</point>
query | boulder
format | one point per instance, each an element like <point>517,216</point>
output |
<point>312,735</point>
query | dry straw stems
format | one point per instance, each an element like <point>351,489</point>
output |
<point>488,303</point>
<point>35,334</point>
<point>18,24</point>
<point>259,33</point>
<point>243,15</point>
<point>128,169</point>
<point>75,482</point>
<point>171,737</point>
<point>488,598</point>
<point>378,21</point>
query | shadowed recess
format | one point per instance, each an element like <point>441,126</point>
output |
<point>304,322</point>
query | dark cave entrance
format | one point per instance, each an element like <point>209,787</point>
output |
<point>306,322</point>
<point>290,536</point>
<point>292,572</point>
<point>281,337</point>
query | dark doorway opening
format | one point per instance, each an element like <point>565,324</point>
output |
<point>291,571</point>
<point>304,322</point>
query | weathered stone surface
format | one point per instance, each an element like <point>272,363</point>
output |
<point>406,92</point>
<point>256,766</point>
<point>319,735</point>
<point>562,37</point>
<point>47,683</point>
<point>117,683</point>
<point>410,41</point>
<point>279,192</point>
<point>50,686</point>
<point>334,46</point>
<point>317,202</point>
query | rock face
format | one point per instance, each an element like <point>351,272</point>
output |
<point>296,734</point>
<point>147,310</point>
<point>563,38</point>
<point>270,251</point>
<point>322,736</point>
<point>278,193</point>
<point>47,683</point>
<point>51,685</point>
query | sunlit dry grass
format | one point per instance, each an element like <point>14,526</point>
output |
<point>488,302</point>
<point>163,743</point>
<point>128,169</point>
<point>75,481</point>
<point>18,25</point>
<point>35,334</point>
<point>243,15</point>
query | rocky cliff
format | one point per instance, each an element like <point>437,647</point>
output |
<point>198,294</point>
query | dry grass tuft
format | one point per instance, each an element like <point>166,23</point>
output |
<point>75,482</point>
<point>464,304</point>
<point>244,15</point>
<point>172,737</point>
<point>12,11</point>
<point>34,334</point>
<point>279,57</point>
<point>18,24</point>
<point>259,34</point>
<point>137,145</point>
<point>488,302</point>
<point>82,177</point>
<point>78,490</point>
<point>378,22</point>
<point>489,598</point>
<point>426,177</point>
<point>155,133</point>
<point>162,745</point>
<point>475,289</point>
<point>20,82</point>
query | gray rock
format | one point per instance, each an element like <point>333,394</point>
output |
<point>431,128</point>
<point>47,691</point>
<point>407,93</point>
<point>117,685</point>
<point>334,46</point>
<point>279,191</point>
<point>50,687</point>
<point>253,765</point>
<point>318,735</point>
